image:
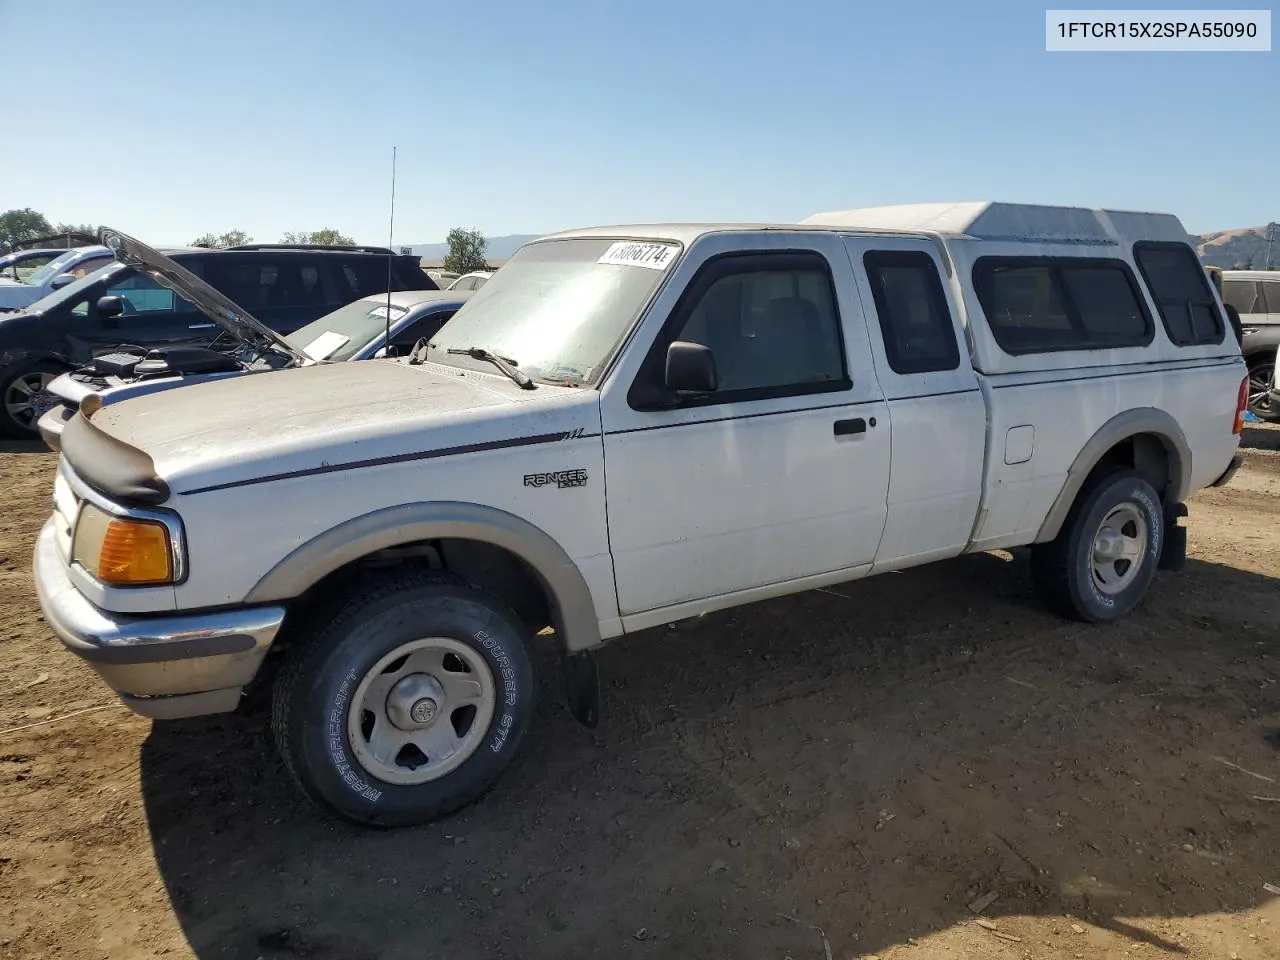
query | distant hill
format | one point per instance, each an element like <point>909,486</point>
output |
<point>499,248</point>
<point>1242,248</point>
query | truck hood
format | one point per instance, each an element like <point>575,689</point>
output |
<point>215,305</point>
<point>327,418</point>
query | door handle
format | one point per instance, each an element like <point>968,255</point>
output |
<point>846,427</point>
<point>201,326</point>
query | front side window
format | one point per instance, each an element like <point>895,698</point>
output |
<point>771,323</point>
<point>1049,304</point>
<point>1181,292</point>
<point>558,308</point>
<point>139,294</point>
<point>912,307</point>
<point>86,267</point>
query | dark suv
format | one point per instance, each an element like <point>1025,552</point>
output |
<point>284,286</point>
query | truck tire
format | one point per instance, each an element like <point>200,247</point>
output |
<point>1104,558</point>
<point>20,402</point>
<point>1262,371</point>
<point>407,702</point>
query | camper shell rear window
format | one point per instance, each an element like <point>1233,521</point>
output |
<point>1181,292</point>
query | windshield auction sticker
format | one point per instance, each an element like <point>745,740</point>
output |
<point>629,253</point>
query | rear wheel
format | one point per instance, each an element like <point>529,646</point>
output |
<point>407,703</point>
<point>1104,558</point>
<point>1261,377</point>
<point>24,397</point>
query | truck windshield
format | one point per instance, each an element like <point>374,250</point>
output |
<point>558,308</point>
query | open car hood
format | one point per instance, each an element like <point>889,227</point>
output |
<point>229,315</point>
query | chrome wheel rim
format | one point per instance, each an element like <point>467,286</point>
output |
<point>421,710</point>
<point>27,397</point>
<point>1260,387</point>
<point>1119,547</point>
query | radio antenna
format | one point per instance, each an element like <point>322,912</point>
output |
<point>391,232</point>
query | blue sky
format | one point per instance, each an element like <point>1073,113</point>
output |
<point>169,119</point>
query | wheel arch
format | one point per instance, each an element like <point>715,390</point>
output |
<point>1145,438</point>
<point>571,607</point>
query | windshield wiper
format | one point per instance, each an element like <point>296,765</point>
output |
<point>505,364</point>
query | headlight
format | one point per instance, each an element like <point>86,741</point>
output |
<point>123,551</point>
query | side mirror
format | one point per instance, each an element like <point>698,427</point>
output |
<point>691,368</point>
<point>61,280</point>
<point>110,307</point>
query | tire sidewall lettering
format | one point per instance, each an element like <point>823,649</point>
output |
<point>336,741</point>
<point>504,671</point>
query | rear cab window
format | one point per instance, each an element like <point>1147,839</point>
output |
<point>915,322</point>
<point>1051,304</point>
<point>1181,292</point>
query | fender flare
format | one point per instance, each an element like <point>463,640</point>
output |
<point>572,608</point>
<point>1140,420</point>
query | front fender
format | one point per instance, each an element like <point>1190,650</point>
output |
<point>573,612</point>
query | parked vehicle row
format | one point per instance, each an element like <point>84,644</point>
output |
<point>627,426</point>
<point>63,270</point>
<point>356,331</point>
<point>285,287</point>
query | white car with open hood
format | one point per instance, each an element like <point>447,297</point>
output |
<point>628,426</point>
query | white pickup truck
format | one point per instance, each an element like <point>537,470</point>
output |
<point>625,427</point>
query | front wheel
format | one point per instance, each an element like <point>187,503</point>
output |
<point>1261,377</point>
<point>1104,558</point>
<point>407,703</point>
<point>24,389</point>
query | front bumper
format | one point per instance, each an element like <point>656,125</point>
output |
<point>162,667</point>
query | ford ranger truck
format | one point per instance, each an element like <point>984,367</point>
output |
<point>628,426</point>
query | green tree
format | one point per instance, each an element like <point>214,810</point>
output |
<point>466,251</point>
<point>220,241</point>
<point>19,225</point>
<point>327,236</point>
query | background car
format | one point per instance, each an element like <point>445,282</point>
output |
<point>1256,295</point>
<point>63,270</point>
<point>17,266</point>
<point>355,331</point>
<point>471,281</point>
<point>284,286</point>
<point>442,277</point>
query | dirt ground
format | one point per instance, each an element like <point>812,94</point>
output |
<point>853,770</point>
